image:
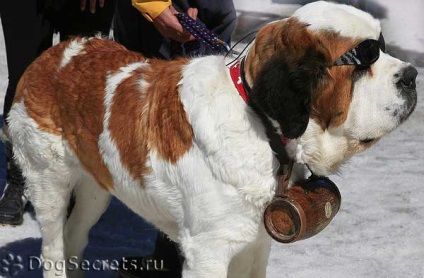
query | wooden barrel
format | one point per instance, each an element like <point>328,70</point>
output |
<point>304,211</point>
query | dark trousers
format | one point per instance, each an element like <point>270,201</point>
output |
<point>28,28</point>
<point>136,33</point>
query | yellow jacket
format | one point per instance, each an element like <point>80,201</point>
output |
<point>150,8</point>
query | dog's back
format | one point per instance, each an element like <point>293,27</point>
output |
<point>96,90</point>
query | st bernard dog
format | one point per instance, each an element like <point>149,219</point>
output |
<point>176,142</point>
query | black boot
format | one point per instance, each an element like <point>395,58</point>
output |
<point>13,201</point>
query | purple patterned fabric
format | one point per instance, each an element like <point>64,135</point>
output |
<point>206,42</point>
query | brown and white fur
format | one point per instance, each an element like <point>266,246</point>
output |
<point>175,142</point>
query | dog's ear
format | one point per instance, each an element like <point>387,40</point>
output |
<point>283,87</point>
<point>283,91</point>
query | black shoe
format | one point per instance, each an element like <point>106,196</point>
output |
<point>12,205</point>
<point>13,201</point>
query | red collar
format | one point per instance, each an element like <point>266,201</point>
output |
<point>238,80</point>
<point>235,73</point>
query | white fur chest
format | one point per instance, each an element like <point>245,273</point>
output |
<point>229,138</point>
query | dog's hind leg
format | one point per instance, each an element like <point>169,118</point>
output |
<point>50,198</point>
<point>90,203</point>
<point>49,189</point>
<point>49,182</point>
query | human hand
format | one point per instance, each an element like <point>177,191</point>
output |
<point>93,3</point>
<point>168,25</point>
<point>192,12</point>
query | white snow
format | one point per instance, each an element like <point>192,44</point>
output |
<point>265,6</point>
<point>404,23</point>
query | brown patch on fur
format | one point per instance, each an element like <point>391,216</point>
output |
<point>69,101</point>
<point>287,36</point>
<point>35,90</point>
<point>150,118</point>
<point>127,127</point>
<point>170,131</point>
<point>330,103</point>
<point>336,44</point>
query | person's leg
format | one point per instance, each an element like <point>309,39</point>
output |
<point>168,251</point>
<point>13,201</point>
<point>133,31</point>
<point>27,33</point>
<point>71,21</point>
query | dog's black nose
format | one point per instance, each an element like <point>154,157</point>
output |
<point>407,77</point>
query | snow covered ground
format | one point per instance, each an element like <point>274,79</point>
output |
<point>379,231</point>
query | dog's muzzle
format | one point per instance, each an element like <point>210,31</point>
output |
<point>406,85</point>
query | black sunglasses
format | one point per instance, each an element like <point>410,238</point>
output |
<point>364,54</point>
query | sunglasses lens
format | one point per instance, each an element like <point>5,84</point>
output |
<point>368,52</point>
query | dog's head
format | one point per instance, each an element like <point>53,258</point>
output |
<point>330,111</point>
